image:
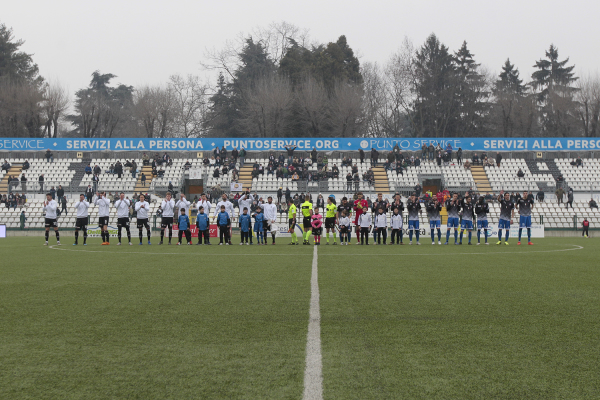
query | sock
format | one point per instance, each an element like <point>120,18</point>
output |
<point>148,234</point>
<point>528,234</point>
<point>410,233</point>
<point>327,237</point>
<point>439,234</point>
<point>162,234</point>
<point>357,236</point>
<point>499,235</point>
<point>119,235</point>
<point>520,231</point>
<point>455,235</point>
<point>170,234</point>
<point>141,236</point>
<point>417,234</point>
<point>84,236</point>
<point>273,237</point>
<point>129,235</point>
<point>462,231</point>
<point>470,236</point>
<point>447,235</point>
<point>507,235</point>
<point>401,235</point>
<point>47,235</point>
<point>57,236</point>
<point>107,235</point>
<point>432,235</point>
<point>478,235</point>
<point>485,233</point>
<point>294,237</point>
<point>76,236</point>
<point>334,238</point>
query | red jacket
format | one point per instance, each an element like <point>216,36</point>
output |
<point>358,210</point>
<point>586,224</point>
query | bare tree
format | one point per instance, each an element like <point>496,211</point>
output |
<point>56,103</point>
<point>154,110</point>
<point>268,107</point>
<point>347,110</point>
<point>588,101</point>
<point>313,106</point>
<point>20,113</point>
<point>190,103</point>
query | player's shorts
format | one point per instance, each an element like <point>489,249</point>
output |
<point>166,222</point>
<point>102,221</point>
<point>81,223</point>
<point>317,231</point>
<point>306,223</point>
<point>525,221</point>
<point>291,223</point>
<point>466,224</point>
<point>413,224</point>
<point>50,223</point>
<point>330,223</point>
<point>344,230</point>
<point>123,222</point>
<point>141,222</point>
<point>435,224</point>
<point>452,223</point>
<point>504,224</point>
<point>482,224</point>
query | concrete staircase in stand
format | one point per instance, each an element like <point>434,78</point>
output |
<point>15,171</point>
<point>139,187</point>
<point>245,177</point>
<point>481,180</point>
<point>381,180</point>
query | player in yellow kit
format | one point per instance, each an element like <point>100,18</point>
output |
<point>292,210</point>
<point>330,217</point>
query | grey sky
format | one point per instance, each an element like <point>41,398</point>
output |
<point>146,41</point>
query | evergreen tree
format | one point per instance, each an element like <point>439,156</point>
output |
<point>552,83</point>
<point>435,106</point>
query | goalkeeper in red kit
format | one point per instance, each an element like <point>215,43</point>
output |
<point>360,206</point>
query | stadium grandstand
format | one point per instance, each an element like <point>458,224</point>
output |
<point>27,175</point>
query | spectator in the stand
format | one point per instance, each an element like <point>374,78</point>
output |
<point>234,154</point>
<point>160,172</point>
<point>449,149</point>
<point>431,150</point>
<point>418,188</point>
<point>216,173</point>
<point>349,182</point>
<point>261,169</point>
<point>143,179</point>
<point>573,163</point>
<point>391,157</point>
<point>560,193</point>
<point>335,171</point>
<point>424,151</point>
<point>279,173</point>
<point>5,166</point>
<point>361,154</point>
<point>579,162</point>
<point>224,170</point>
<point>313,155</point>
<point>270,169</point>
<point>498,159</point>
<point>41,181</point>
<point>88,169</point>
<point>242,156</point>
<point>356,182</point>
<point>223,152</point>
<point>154,171</point>
<point>97,170</point>
<point>288,194</point>
<point>95,181</point>
<point>60,193</point>
<point>374,156</point>
<point>23,183</point>
<point>187,165</point>
<point>119,169</point>
<point>540,196</point>
<point>145,159</point>
<point>467,164</point>
<point>475,159</point>
<point>417,162</point>
<point>295,177</point>
<point>133,169</point>
<point>593,204</point>
<point>560,178</point>
<point>570,198</point>
<point>25,166</point>
<point>49,156</point>
<point>354,169</point>
<point>218,161</point>
<point>290,150</point>
<point>459,155</point>
<point>520,173</point>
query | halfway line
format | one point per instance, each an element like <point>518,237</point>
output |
<point>313,372</point>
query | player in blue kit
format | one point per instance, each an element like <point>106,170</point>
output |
<point>433,214</point>
<point>524,206</point>
<point>468,211</point>
<point>453,208</point>
<point>481,210</point>
<point>507,213</point>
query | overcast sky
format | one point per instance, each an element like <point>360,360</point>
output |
<point>146,41</point>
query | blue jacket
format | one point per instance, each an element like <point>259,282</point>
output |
<point>202,222</point>
<point>184,222</point>
<point>258,222</point>
<point>223,218</point>
<point>245,222</point>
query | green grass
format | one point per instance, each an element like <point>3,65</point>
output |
<point>168,322</point>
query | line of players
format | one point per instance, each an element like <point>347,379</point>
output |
<point>337,218</point>
<point>461,216</point>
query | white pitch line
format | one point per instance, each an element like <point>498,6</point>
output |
<point>313,372</point>
<point>65,248</point>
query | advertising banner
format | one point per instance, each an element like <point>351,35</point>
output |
<point>301,144</point>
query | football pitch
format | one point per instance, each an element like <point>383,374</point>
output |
<point>231,322</point>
